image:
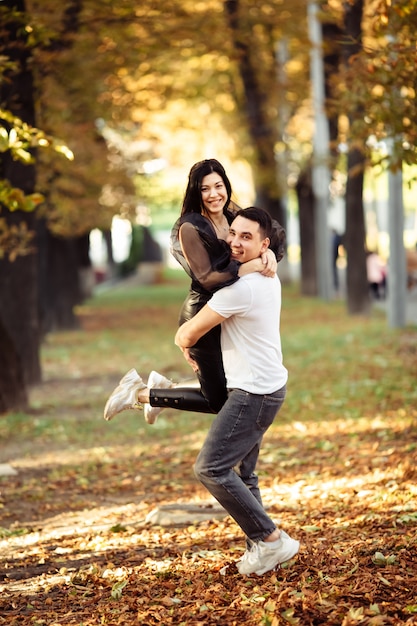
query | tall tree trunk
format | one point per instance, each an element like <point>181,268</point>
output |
<point>332,54</point>
<point>306,218</point>
<point>304,189</point>
<point>263,128</point>
<point>63,281</point>
<point>20,363</point>
<point>13,391</point>
<point>358,301</point>
<point>108,240</point>
<point>61,288</point>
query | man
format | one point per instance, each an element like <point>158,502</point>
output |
<point>249,314</point>
<point>249,311</point>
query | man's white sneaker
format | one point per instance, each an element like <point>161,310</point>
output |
<point>125,396</point>
<point>155,381</point>
<point>264,556</point>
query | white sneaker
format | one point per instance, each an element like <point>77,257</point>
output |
<point>125,396</point>
<point>155,381</point>
<point>264,556</point>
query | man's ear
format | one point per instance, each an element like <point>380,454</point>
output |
<point>265,244</point>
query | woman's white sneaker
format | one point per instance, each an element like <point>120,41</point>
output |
<point>155,381</point>
<point>125,396</point>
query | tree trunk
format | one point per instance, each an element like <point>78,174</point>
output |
<point>19,321</point>
<point>85,269</point>
<point>332,55</point>
<point>263,128</point>
<point>306,216</point>
<point>358,300</point>
<point>111,265</point>
<point>62,262</point>
<point>12,386</point>
<point>19,312</point>
<point>305,194</point>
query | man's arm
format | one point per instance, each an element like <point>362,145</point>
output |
<point>190,332</point>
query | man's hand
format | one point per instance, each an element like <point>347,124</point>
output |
<point>190,332</point>
<point>189,359</point>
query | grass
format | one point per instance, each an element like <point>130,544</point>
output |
<point>340,368</point>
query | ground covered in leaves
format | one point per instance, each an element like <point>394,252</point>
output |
<point>90,533</point>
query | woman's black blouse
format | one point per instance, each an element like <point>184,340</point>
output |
<point>206,259</point>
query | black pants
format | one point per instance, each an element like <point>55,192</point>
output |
<point>208,355</point>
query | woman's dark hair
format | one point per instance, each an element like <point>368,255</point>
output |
<point>278,240</point>
<point>192,198</point>
<point>268,227</point>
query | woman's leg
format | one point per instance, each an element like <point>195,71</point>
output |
<point>207,353</point>
<point>181,398</point>
<point>211,395</point>
<point>208,356</point>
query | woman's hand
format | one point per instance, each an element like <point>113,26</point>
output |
<point>266,264</point>
<point>270,262</point>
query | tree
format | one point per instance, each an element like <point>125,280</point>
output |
<point>307,201</point>
<point>136,70</point>
<point>306,215</point>
<point>67,104</point>
<point>65,218</point>
<point>376,86</point>
<point>378,83</point>
<point>255,57</point>
<point>19,271</point>
<point>20,364</point>
<point>358,300</point>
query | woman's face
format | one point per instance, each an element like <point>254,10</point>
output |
<point>213,194</point>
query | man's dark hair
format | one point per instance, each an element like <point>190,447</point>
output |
<point>262,217</point>
<point>269,228</point>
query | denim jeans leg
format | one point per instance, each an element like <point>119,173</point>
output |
<point>246,471</point>
<point>226,463</point>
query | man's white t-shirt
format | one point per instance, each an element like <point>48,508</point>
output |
<point>250,336</point>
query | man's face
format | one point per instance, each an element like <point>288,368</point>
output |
<point>245,240</point>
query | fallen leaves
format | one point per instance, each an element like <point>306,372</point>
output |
<point>355,566</point>
<point>96,534</point>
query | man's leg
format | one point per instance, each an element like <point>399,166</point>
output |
<point>234,440</point>
<point>246,471</point>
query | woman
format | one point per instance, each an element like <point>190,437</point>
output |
<point>198,243</point>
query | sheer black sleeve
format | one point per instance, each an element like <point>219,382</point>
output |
<point>205,258</point>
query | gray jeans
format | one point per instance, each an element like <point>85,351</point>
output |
<point>226,463</point>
